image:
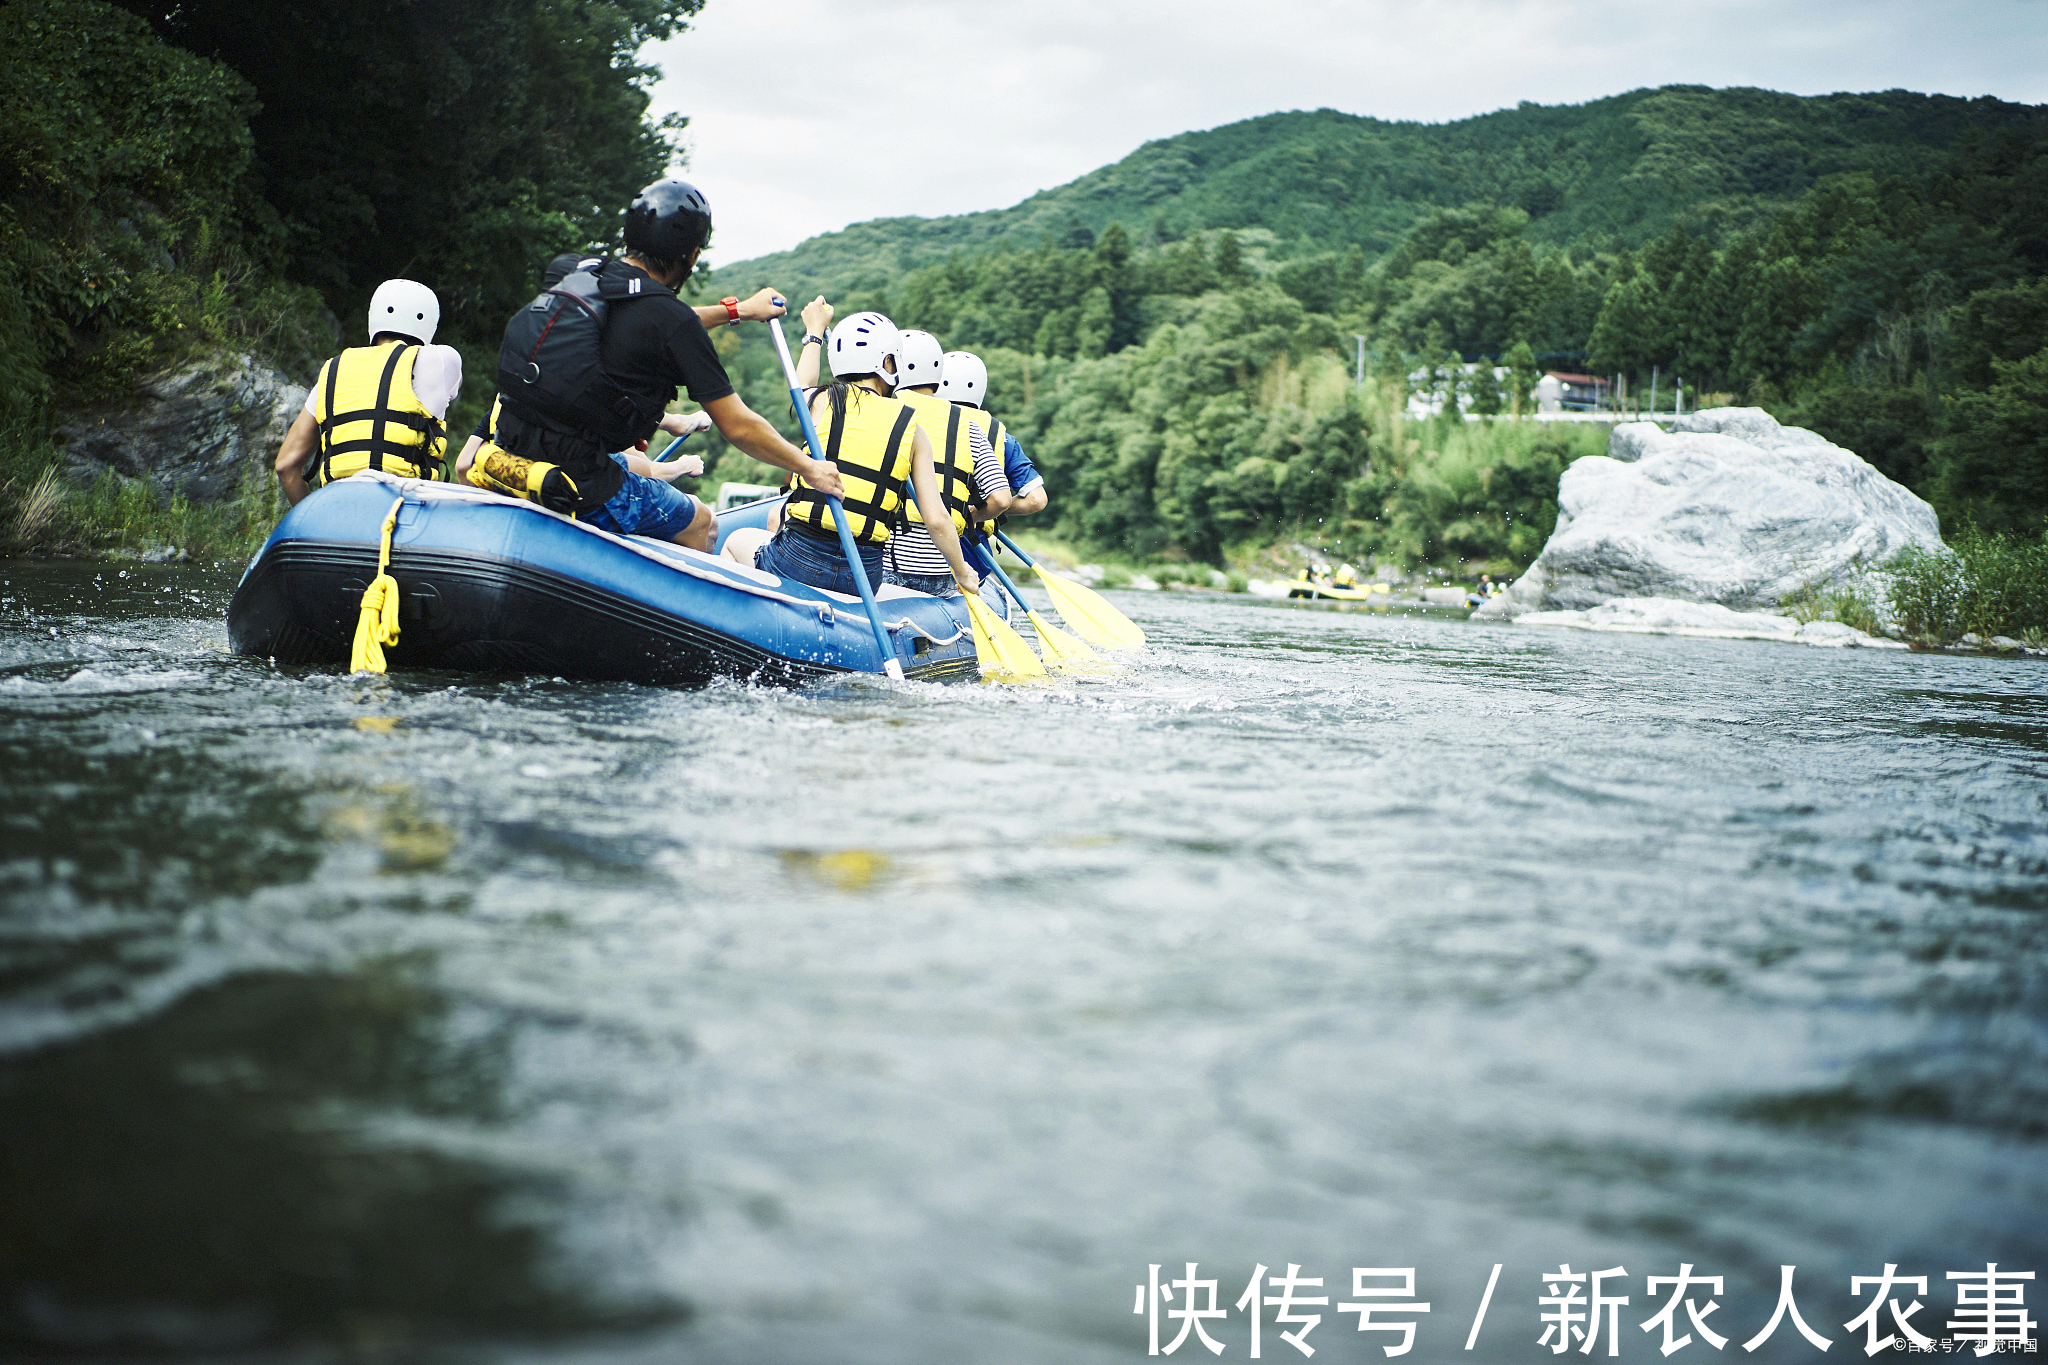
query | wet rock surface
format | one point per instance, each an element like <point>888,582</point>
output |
<point>1665,616</point>
<point>195,429</point>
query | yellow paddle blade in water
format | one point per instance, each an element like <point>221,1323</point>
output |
<point>1064,652</point>
<point>1091,615</point>
<point>1003,655</point>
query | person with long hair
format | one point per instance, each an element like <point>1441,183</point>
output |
<point>873,442</point>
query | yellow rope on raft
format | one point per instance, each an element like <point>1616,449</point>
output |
<point>378,624</point>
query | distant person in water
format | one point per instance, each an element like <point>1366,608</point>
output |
<point>381,406</point>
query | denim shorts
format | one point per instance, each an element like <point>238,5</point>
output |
<point>644,507</point>
<point>937,584</point>
<point>817,561</point>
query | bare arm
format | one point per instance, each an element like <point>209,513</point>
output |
<point>675,465</point>
<point>817,321</point>
<point>292,456</point>
<point>759,308</point>
<point>924,481</point>
<point>990,483</point>
<point>753,434</point>
<point>1034,501</point>
<point>468,455</point>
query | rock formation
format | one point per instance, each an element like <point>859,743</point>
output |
<point>194,430</point>
<point>1727,507</point>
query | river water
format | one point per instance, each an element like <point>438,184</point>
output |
<point>439,1017</point>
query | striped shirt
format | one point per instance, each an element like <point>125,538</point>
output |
<point>911,549</point>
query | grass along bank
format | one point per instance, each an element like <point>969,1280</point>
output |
<point>43,513</point>
<point>1992,585</point>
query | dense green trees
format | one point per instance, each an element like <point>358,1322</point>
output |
<point>1834,260</point>
<point>1617,172</point>
<point>1174,334</point>
<point>187,175</point>
<point>124,201</point>
<point>460,141</point>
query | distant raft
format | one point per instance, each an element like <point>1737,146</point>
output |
<point>494,584</point>
<point>1314,589</point>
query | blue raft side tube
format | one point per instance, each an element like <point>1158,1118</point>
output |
<point>790,620</point>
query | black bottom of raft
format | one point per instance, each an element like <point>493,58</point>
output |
<point>471,612</point>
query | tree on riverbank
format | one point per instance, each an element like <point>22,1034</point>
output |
<point>1857,264</point>
<point>190,179</point>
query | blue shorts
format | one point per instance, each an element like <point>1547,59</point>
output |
<point>937,584</point>
<point>814,560</point>
<point>644,507</point>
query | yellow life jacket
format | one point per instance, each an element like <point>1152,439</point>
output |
<point>945,426</point>
<point>869,437</point>
<point>996,432</point>
<point>371,419</point>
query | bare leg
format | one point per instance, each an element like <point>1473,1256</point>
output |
<point>702,532</point>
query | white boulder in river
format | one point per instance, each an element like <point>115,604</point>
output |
<point>1727,507</point>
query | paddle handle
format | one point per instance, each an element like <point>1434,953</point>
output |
<point>891,665</point>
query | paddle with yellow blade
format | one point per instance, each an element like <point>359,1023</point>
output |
<point>1004,655</point>
<point>884,646</point>
<point>1062,651</point>
<point>1086,610</point>
<point>1002,652</point>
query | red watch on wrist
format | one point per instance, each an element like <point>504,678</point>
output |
<point>732,309</point>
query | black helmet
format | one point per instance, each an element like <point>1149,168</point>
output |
<point>670,219</point>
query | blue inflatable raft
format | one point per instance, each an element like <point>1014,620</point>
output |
<point>492,584</point>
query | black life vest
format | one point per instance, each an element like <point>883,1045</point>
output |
<point>551,367</point>
<point>945,426</point>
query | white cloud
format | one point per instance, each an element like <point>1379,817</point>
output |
<point>807,115</point>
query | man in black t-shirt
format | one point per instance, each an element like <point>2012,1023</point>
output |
<point>654,344</point>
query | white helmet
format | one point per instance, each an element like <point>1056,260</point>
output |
<point>964,379</point>
<point>406,307</point>
<point>859,344</point>
<point>920,362</point>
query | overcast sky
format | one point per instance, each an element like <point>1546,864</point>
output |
<point>807,115</point>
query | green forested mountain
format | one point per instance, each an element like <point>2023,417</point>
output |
<point>1618,171</point>
<point>1174,333</point>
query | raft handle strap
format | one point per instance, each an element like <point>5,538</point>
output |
<point>377,622</point>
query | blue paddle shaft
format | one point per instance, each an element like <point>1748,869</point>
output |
<point>988,558</point>
<point>890,663</point>
<point>1004,536</point>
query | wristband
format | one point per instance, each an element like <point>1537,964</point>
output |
<point>732,308</point>
<point>812,339</point>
